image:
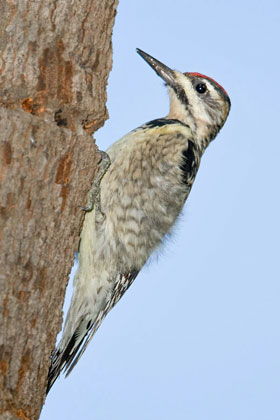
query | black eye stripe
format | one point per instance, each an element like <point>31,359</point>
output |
<point>201,88</point>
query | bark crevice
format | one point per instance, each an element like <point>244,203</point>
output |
<point>55,59</point>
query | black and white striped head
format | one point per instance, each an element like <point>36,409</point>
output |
<point>195,99</point>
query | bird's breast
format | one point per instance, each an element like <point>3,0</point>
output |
<point>144,191</point>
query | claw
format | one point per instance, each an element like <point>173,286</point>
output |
<point>93,199</point>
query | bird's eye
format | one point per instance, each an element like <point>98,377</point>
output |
<point>201,88</point>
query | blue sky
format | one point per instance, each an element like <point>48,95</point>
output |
<point>197,335</point>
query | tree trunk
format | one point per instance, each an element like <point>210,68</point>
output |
<point>55,56</point>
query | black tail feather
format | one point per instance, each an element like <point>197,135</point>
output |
<point>59,360</point>
<point>62,360</point>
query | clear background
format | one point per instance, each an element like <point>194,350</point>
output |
<point>197,335</point>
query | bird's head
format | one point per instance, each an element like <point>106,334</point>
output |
<point>195,99</point>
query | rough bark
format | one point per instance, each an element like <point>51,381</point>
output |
<point>55,56</point>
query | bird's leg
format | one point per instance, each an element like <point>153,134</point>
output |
<point>93,199</point>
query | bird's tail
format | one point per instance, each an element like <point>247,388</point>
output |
<point>64,354</point>
<point>70,350</point>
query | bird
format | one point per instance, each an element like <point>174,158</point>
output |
<point>143,182</point>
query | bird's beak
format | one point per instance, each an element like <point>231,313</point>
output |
<point>161,69</point>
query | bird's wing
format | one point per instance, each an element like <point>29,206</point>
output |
<point>123,282</point>
<point>67,358</point>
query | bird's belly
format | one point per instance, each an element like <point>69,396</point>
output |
<point>139,225</point>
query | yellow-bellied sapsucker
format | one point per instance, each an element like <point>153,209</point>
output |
<point>142,193</point>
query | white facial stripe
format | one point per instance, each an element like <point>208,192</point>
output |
<point>195,112</point>
<point>195,100</point>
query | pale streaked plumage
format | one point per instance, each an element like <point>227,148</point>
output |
<point>142,193</point>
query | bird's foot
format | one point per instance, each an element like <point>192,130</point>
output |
<point>93,199</point>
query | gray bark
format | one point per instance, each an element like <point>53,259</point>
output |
<point>55,57</point>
